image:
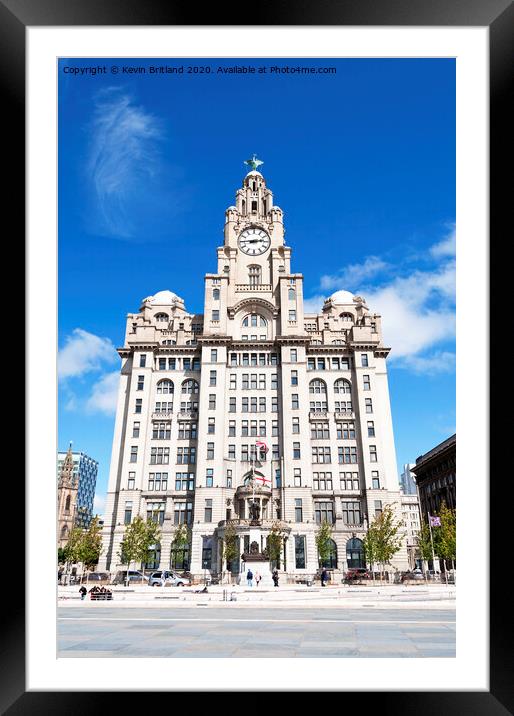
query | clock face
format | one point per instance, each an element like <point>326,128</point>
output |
<point>254,241</point>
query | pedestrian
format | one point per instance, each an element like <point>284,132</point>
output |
<point>249,577</point>
<point>275,577</point>
<point>257,578</point>
<point>324,577</point>
<point>83,592</point>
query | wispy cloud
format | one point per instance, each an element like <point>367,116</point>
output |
<point>104,395</point>
<point>417,306</point>
<point>99,504</point>
<point>84,352</point>
<point>353,275</point>
<point>123,157</point>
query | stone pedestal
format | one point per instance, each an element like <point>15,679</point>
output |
<point>261,566</point>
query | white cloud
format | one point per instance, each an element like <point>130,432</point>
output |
<point>99,504</point>
<point>123,157</point>
<point>446,247</point>
<point>314,304</point>
<point>104,395</point>
<point>439,362</point>
<point>84,352</point>
<point>353,275</point>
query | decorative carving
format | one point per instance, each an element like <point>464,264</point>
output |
<point>254,548</point>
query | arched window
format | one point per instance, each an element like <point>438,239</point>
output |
<point>64,532</point>
<point>254,275</point>
<point>346,317</point>
<point>342,386</point>
<point>318,387</point>
<point>254,320</point>
<point>165,387</point>
<point>215,294</point>
<point>162,317</point>
<point>331,561</point>
<point>355,553</point>
<point>180,558</point>
<point>190,387</point>
<point>67,504</point>
<point>292,294</point>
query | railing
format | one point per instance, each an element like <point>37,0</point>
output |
<point>162,416</point>
<point>318,414</point>
<point>339,415</point>
<point>187,415</point>
<point>259,287</point>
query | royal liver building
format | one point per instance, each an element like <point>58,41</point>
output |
<point>253,416</point>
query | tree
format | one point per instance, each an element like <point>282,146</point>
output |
<point>324,542</point>
<point>229,545</point>
<point>139,537</point>
<point>445,536</point>
<point>181,537</point>
<point>90,545</point>
<point>71,551</point>
<point>370,544</point>
<point>424,544</point>
<point>386,537</point>
<point>274,543</point>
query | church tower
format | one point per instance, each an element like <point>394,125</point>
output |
<point>67,491</point>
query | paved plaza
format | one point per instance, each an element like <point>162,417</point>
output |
<point>293,623</point>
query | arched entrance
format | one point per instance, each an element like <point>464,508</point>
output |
<point>355,553</point>
<point>331,561</point>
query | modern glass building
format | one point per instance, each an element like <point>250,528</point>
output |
<point>85,469</point>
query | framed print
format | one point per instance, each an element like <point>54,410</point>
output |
<point>373,123</point>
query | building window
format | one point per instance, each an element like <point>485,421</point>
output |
<point>296,425</point>
<point>187,431</point>
<point>161,317</point>
<point>158,481</point>
<point>165,387</point>
<point>209,477</point>
<point>140,382</point>
<point>324,512</point>
<point>292,315</point>
<point>373,453</point>
<point>297,476</point>
<point>190,387</point>
<point>291,294</point>
<point>133,453</point>
<point>299,551</point>
<point>371,429</point>
<point>378,507</point>
<point>366,382</point>
<point>347,455</point>
<point>254,275</point>
<point>296,451</point>
<point>278,480</point>
<point>231,405</point>
<point>128,513</point>
<point>214,355</point>
<point>321,454</point>
<point>211,426</point>
<point>294,377</point>
<point>131,480</point>
<point>212,377</point>
<point>139,405</point>
<point>369,405</point>
<point>345,431</point>
<point>294,355</point>
<point>210,451</point>
<point>229,478</point>
<point>375,480</point>
<point>298,510</point>
<point>232,452</point>
<point>215,294</point>
<point>207,518</point>
<point>351,512</point>
<point>294,401</point>
<point>322,480</point>
<point>186,455</point>
<point>184,481</point>
<point>161,431</point>
<point>320,431</point>
<point>212,401</point>
<point>135,430</point>
<point>215,315</point>
<point>342,386</point>
<point>233,381</point>
<point>364,360</point>
<point>183,513</point>
<point>142,360</point>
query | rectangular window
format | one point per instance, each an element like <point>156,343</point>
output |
<point>274,428</point>
<point>292,315</point>
<point>161,431</point>
<point>186,455</point>
<point>294,355</point>
<point>371,429</point>
<point>231,405</point>
<point>351,513</point>
<point>212,401</point>
<point>187,431</point>
<point>294,377</point>
<point>375,480</point>
<point>345,431</point>
<point>135,430</point>
<point>321,454</point>
<point>296,425</point>
<point>366,382</point>
<point>299,551</point>
<point>210,451</point>
<point>294,401</point>
<point>209,477</point>
<point>378,507</point>
<point>296,451</point>
<point>172,363</point>
<point>275,454</point>
<point>274,359</point>
<point>140,382</point>
<point>347,455</point>
<point>311,364</point>
<point>214,355</point>
<point>142,360</point>
<point>216,315</point>
<point>208,511</point>
<point>321,364</point>
<point>369,405</point>
<point>322,480</point>
<point>364,360</point>
<point>128,513</point>
<point>324,512</point>
<point>183,513</point>
<point>233,359</point>
<point>133,453</point>
<point>278,479</point>
<point>212,377</point>
<point>244,428</point>
<point>186,363</point>
<point>139,405</point>
<point>131,480</point>
<point>162,363</point>
<point>320,431</point>
<point>246,359</point>
<point>185,481</point>
<point>262,405</point>
<point>231,428</point>
<point>158,481</point>
<point>245,403</point>
<point>373,453</point>
<point>232,452</point>
<point>298,510</point>
<point>297,475</point>
<point>229,478</point>
<point>233,381</point>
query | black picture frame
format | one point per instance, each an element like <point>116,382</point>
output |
<point>497,15</point>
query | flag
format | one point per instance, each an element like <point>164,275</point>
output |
<point>262,479</point>
<point>434,521</point>
<point>262,446</point>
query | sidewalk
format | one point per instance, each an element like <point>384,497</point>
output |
<point>436,596</point>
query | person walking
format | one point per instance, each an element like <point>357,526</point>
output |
<point>324,577</point>
<point>275,577</point>
<point>257,578</point>
<point>83,592</point>
<point>249,577</point>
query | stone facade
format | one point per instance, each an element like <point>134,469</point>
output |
<point>198,391</point>
<point>435,473</point>
<point>67,492</point>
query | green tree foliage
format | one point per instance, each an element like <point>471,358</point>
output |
<point>72,548</point>
<point>230,544</point>
<point>181,537</point>
<point>90,545</point>
<point>139,537</point>
<point>384,538</point>
<point>324,542</point>
<point>445,536</point>
<point>275,542</point>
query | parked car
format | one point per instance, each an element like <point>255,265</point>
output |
<point>167,577</point>
<point>415,574</point>
<point>354,574</point>
<point>134,577</point>
<point>96,577</point>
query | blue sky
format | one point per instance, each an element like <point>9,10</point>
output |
<point>362,162</point>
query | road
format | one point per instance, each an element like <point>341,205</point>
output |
<point>247,631</point>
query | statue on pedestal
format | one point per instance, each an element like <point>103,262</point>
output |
<point>255,511</point>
